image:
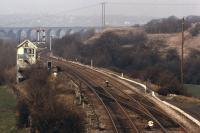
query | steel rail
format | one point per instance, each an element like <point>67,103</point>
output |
<point>132,106</point>
<point>78,75</point>
<point>146,110</point>
<point>90,86</point>
<point>92,89</point>
<point>104,105</point>
<point>121,108</point>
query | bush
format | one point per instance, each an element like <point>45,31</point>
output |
<point>46,114</point>
<point>7,61</point>
<point>68,46</point>
<point>194,31</point>
<point>191,69</point>
<point>23,114</point>
<point>166,91</point>
<point>56,118</point>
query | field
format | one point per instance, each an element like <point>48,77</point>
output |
<point>194,90</point>
<point>7,112</point>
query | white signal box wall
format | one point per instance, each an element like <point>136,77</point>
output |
<point>26,56</point>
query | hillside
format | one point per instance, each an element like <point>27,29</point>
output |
<point>172,41</point>
<point>122,32</point>
<point>149,57</point>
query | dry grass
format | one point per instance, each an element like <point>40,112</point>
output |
<point>122,32</point>
<point>174,41</point>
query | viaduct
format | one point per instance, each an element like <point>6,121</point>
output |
<point>20,33</point>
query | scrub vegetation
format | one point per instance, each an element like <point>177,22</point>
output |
<point>40,109</point>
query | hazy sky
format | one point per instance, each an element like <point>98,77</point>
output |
<point>181,7</point>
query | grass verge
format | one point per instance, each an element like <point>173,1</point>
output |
<point>193,90</point>
<point>7,112</point>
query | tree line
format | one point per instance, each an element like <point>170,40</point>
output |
<point>171,24</point>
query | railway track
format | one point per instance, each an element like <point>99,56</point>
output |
<point>128,112</point>
<point>121,121</point>
<point>134,100</point>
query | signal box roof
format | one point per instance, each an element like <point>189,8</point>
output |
<point>27,43</point>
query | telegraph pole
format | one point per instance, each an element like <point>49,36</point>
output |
<point>182,52</point>
<point>103,6</point>
<point>19,39</point>
<point>104,14</point>
<point>91,63</point>
<point>38,35</point>
<point>50,43</point>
